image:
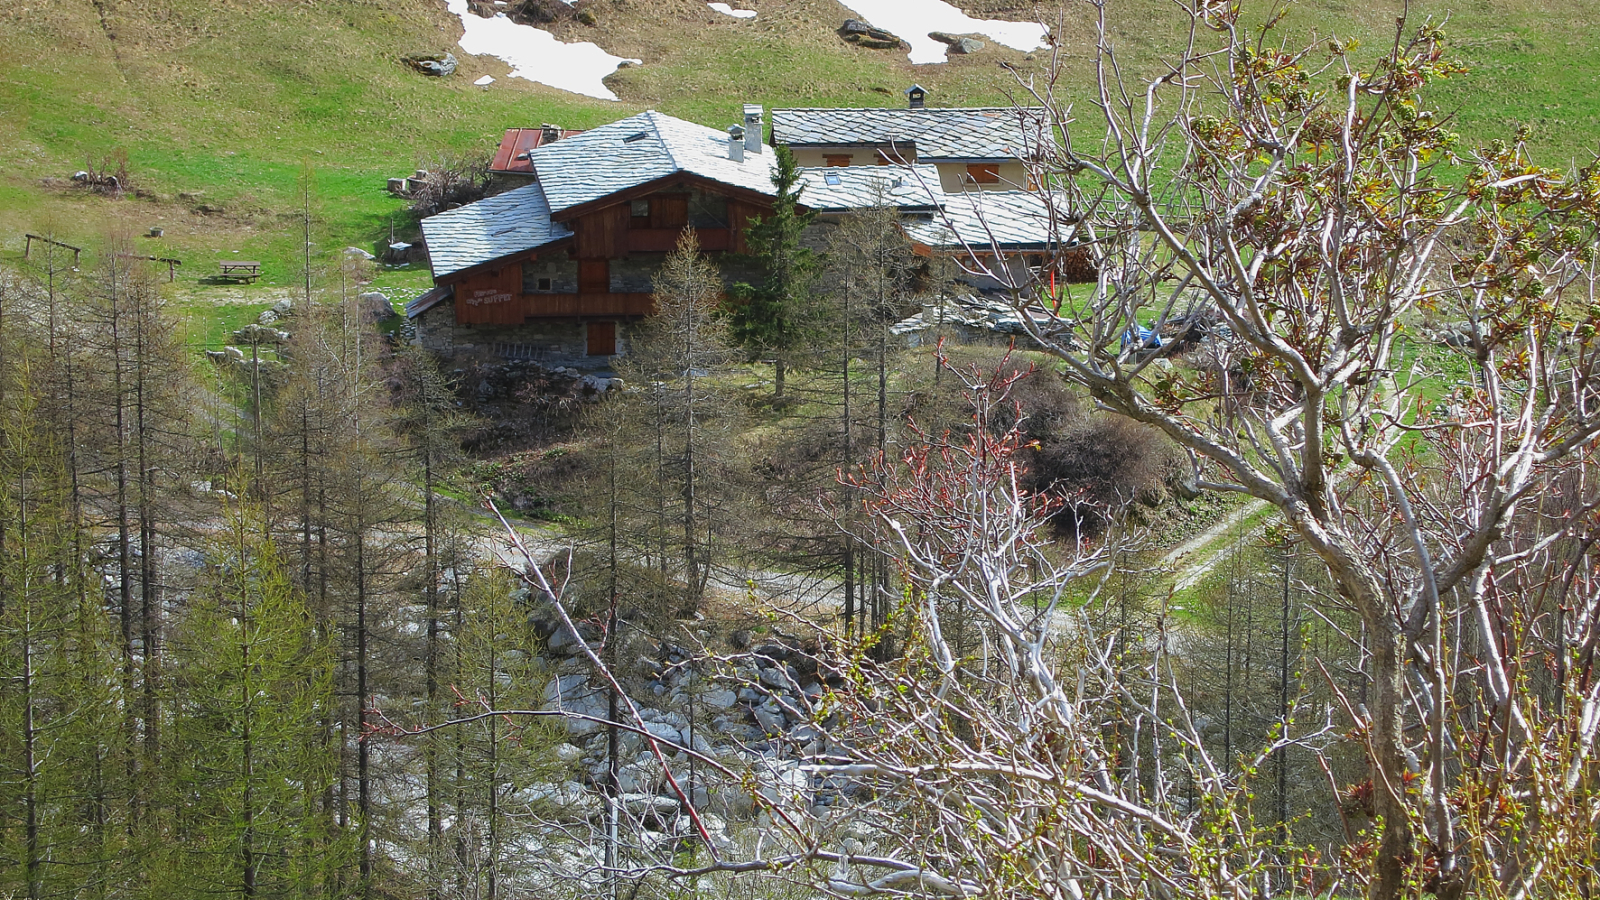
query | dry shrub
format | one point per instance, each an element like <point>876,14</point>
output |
<point>452,181</point>
<point>109,177</point>
<point>1098,463</point>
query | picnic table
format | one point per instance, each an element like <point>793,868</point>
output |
<point>241,270</point>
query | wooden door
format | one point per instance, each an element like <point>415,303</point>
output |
<point>602,338</point>
<point>594,276</point>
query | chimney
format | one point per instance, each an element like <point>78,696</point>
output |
<point>917,95</point>
<point>549,134</point>
<point>736,143</point>
<point>752,128</point>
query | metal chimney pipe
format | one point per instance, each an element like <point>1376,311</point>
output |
<point>736,143</point>
<point>752,128</point>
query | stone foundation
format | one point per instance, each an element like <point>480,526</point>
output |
<point>549,342</point>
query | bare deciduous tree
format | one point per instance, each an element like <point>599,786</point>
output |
<point>1305,215</point>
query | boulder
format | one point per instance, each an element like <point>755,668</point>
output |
<point>771,721</point>
<point>575,694</point>
<point>358,253</point>
<point>662,731</point>
<point>862,34</point>
<point>375,307</point>
<point>719,699</point>
<point>258,334</point>
<point>956,43</point>
<point>434,64</point>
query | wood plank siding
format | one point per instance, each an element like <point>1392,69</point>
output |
<point>602,234</point>
<point>523,307</point>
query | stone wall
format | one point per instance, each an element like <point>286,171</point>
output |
<point>635,274</point>
<point>549,342</point>
<point>562,272</point>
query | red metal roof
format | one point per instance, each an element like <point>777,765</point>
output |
<point>512,157</point>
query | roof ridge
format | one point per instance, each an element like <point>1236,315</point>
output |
<point>666,147</point>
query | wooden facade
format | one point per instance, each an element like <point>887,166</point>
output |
<point>633,222</point>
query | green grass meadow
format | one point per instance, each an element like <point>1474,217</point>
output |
<point>224,108</point>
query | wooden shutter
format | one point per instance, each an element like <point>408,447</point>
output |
<point>594,276</point>
<point>602,338</point>
<point>669,211</point>
<point>836,160</point>
<point>983,173</point>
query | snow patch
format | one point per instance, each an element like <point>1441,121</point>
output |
<point>487,79</point>
<point>913,19</point>
<point>535,55</point>
<point>727,10</point>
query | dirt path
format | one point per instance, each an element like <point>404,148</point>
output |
<point>1192,559</point>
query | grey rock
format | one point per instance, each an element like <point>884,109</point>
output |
<point>719,699</point>
<point>770,722</point>
<point>640,804</point>
<point>662,731</point>
<point>358,253</point>
<point>956,43</point>
<point>375,307</point>
<point>433,64</point>
<point>863,34</point>
<point>775,677</point>
<point>257,334</point>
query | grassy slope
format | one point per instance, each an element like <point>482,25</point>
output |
<point>222,104</point>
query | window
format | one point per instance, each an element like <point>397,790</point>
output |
<point>836,160</point>
<point>639,214</point>
<point>983,173</point>
<point>832,180</point>
<point>544,284</point>
<point>708,211</point>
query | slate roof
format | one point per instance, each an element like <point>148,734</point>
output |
<point>489,229</point>
<point>640,149</point>
<point>839,188</point>
<point>958,133</point>
<point>981,219</point>
<point>429,299</point>
<point>978,219</point>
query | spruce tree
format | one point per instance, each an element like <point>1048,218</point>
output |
<point>773,318</point>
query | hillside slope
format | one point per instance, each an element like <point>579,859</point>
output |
<point>225,102</point>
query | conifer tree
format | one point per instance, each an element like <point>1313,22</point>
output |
<point>676,356</point>
<point>775,318</point>
<point>248,765</point>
